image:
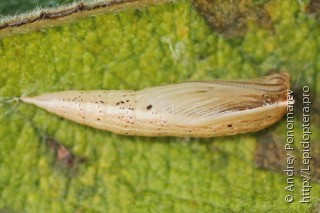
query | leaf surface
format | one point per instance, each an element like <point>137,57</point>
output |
<point>134,49</point>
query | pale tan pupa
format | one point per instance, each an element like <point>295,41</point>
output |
<point>191,109</point>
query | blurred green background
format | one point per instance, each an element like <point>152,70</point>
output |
<point>49,164</point>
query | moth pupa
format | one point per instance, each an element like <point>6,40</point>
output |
<point>191,109</point>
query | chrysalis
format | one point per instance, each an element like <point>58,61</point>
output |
<point>191,109</point>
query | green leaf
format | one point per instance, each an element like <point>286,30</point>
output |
<point>49,164</point>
